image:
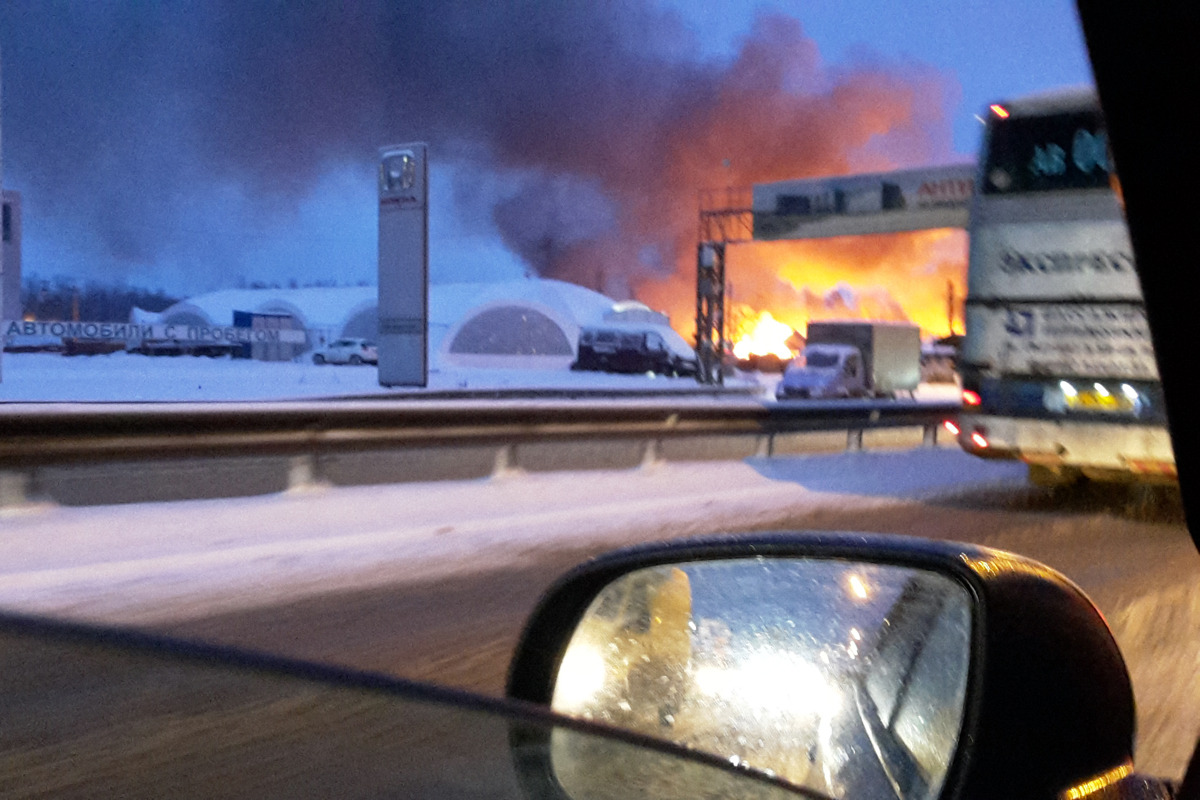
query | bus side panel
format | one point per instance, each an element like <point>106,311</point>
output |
<point>1072,259</point>
<point>1104,341</point>
<point>1096,449</point>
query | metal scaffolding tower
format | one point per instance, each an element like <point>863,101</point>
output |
<point>725,218</point>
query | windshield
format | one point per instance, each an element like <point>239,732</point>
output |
<point>341,333</point>
<point>820,359</point>
<point>1043,153</point>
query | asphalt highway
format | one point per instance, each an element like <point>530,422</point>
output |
<point>1128,550</point>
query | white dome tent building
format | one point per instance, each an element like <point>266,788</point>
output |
<point>323,313</point>
<point>521,324</point>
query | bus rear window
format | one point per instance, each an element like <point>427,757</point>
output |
<point>1056,151</point>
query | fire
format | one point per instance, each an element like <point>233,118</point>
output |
<point>775,111</point>
<point>917,277</point>
<point>767,337</point>
<point>896,277</point>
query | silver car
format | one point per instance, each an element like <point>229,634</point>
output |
<point>347,351</point>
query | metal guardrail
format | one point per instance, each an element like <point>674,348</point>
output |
<point>264,447</point>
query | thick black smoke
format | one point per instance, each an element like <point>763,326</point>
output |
<point>128,122</point>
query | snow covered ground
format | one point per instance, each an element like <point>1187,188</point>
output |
<point>128,377</point>
<point>172,560</point>
<point>48,377</point>
<point>169,561</point>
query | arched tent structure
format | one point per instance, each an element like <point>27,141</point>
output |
<point>525,323</point>
<point>322,312</point>
<point>363,321</point>
<point>185,313</point>
<point>528,323</point>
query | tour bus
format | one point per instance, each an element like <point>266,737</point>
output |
<point>1057,365</point>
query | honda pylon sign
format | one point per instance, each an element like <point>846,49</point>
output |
<point>403,265</point>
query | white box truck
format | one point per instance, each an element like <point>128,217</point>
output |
<point>855,358</point>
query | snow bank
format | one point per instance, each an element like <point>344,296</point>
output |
<point>170,561</point>
<point>118,377</point>
<point>48,377</point>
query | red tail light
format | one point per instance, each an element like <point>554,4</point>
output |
<point>978,440</point>
<point>971,398</point>
<point>999,110</point>
<point>950,426</point>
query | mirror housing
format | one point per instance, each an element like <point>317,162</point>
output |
<point>1048,709</point>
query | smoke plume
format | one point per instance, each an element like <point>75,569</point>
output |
<point>592,126</point>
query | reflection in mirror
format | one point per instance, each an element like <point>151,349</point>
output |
<point>844,678</point>
<point>595,768</point>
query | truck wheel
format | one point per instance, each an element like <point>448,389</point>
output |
<point>318,359</point>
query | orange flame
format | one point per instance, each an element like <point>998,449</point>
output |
<point>916,277</point>
<point>767,336</point>
<point>775,111</point>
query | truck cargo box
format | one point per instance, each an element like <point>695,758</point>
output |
<point>891,351</point>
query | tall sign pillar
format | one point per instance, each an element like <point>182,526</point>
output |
<point>404,265</point>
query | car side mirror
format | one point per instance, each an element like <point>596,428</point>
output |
<point>848,666</point>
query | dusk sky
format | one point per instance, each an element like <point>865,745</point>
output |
<point>193,146</point>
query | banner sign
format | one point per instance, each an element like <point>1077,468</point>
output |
<point>1087,259</point>
<point>853,205</point>
<point>138,332</point>
<point>1107,340</point>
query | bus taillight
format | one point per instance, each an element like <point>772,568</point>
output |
<point>999,110</point>
<point>971,398</point>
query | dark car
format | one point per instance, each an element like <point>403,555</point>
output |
<point>630,351</point>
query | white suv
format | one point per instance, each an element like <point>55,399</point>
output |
<point>347,351</point>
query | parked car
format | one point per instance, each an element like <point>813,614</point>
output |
<point>631,350</point>
<point>347,351</point>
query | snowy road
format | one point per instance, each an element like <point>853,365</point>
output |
<point>433,580</point>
